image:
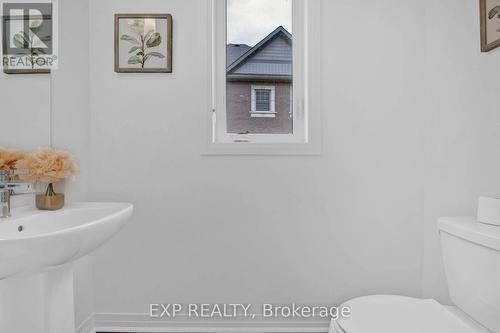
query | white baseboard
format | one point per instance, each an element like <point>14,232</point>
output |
<point>132,322</point>
<point>87,326</point>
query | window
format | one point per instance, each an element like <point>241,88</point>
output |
<point>263,102</point>
<point>264,96</point>
<point>259,71</point>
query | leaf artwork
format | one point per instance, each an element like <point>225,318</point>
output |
<point>130,39</point>
<point>494,12</point>
<point>141,43</point>
<point>154,40</point>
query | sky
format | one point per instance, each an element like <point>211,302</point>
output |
<point>249,21</point>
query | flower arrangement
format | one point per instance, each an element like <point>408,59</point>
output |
<point>48,166</point>
<point>9,158</point>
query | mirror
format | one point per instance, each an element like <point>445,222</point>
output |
<point>25,115</point>
<point>25,111</point>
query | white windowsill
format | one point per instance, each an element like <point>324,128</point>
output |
<point>257,114</point>
<point>252,149</point>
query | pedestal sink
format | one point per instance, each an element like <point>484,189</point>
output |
<point>36,252</point>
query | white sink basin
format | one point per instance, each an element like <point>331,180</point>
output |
<point>36,287</point>
<point>33,240</point>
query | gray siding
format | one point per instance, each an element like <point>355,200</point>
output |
<point>275,58</point>
<point>255,68</point>
<point>278,49</point>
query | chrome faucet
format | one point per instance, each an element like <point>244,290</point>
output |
<point>8,188</point>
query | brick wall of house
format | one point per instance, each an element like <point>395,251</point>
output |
<point>239,103</point>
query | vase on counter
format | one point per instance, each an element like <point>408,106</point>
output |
<point>49,196</point>
<point>48,168</point>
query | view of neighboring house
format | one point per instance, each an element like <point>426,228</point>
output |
<point>259,85</point>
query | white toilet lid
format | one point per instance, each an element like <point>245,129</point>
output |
<point>398,314</point>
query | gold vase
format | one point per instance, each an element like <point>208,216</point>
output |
<point>47,198</point>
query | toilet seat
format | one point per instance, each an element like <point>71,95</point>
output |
<point>397,314</point>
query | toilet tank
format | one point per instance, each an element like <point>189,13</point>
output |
<point>471,255</point>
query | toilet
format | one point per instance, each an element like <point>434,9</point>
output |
<point>471,255</point>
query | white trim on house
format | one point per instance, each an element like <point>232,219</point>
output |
<point>262,114</point>
<point>272,102</point>
<point>306,110</point>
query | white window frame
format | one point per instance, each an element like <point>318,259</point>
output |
<point>272,102</point>
<point>306,137</point>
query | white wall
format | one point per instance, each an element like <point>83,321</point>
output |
<point>261,229</point>
<point>462,125</point>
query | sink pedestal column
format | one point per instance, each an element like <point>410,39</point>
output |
<point>38,303</point>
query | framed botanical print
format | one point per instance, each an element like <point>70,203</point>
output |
<point>143,43</point>
<point>490,24</point>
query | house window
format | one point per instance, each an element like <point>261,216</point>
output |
<point>263,103</point>
<point>264,96</point>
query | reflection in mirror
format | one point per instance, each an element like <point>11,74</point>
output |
<point>25,111</point>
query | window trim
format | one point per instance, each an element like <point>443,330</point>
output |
<point>306,99</point>
<point>272,101</point>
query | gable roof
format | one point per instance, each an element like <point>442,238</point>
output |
<point>278,32</point>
